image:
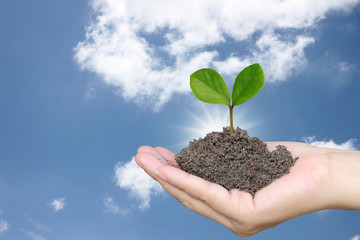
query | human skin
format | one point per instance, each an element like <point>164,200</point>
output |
<point>321,178</point>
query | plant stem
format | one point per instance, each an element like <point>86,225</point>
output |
<point>231,119</point>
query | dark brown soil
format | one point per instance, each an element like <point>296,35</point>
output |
<point>235,161</point>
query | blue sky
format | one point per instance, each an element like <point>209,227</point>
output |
<point>83,84</point>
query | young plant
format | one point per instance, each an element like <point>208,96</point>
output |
<point>208,86</point>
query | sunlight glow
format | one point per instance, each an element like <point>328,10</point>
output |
<point>208,118</point>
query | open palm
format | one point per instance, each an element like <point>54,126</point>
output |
<point>305,189</point>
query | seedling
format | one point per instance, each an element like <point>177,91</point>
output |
<point>208,86</point>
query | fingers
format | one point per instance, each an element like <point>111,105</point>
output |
<point>168,155</point>
<point>212,194</point>
<point>233,210</point>
<point>151,164</point>
<point>153,151</point>
<point>195,205</point>
<point>163,154</point>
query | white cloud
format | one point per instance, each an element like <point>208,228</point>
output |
<point>4,225</point>
<point>39,226</point>
<point>345,67</point>
<point>281,58</point>
<point>148,49</point>
<point>348,145</point>
<point>58,204</point>
<point>131,177</point>
<point>356,237</point>
<point>112,207</point>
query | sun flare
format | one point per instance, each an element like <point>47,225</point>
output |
<point>206,118</point>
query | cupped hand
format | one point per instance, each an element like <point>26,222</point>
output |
<point>307,188</point>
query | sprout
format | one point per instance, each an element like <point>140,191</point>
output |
<point>208,86</point>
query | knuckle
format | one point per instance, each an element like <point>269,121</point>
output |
<point>250,230</point>
<point>244,229</point>
<point>204,195</point>
<point>243,233</point>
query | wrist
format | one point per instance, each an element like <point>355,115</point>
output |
<point>344,173</point>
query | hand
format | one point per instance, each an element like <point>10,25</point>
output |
<point>307,188</point>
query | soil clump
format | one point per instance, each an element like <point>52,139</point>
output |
<point>235,161</point>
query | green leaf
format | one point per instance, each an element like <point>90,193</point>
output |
<point>247,84</point>
<point>208,86</point>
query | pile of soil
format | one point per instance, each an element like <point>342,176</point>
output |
<point>235,160</point>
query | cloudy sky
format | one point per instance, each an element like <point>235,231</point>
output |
<point>84,83</point>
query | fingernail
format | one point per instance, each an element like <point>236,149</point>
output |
<point>162,177</point>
